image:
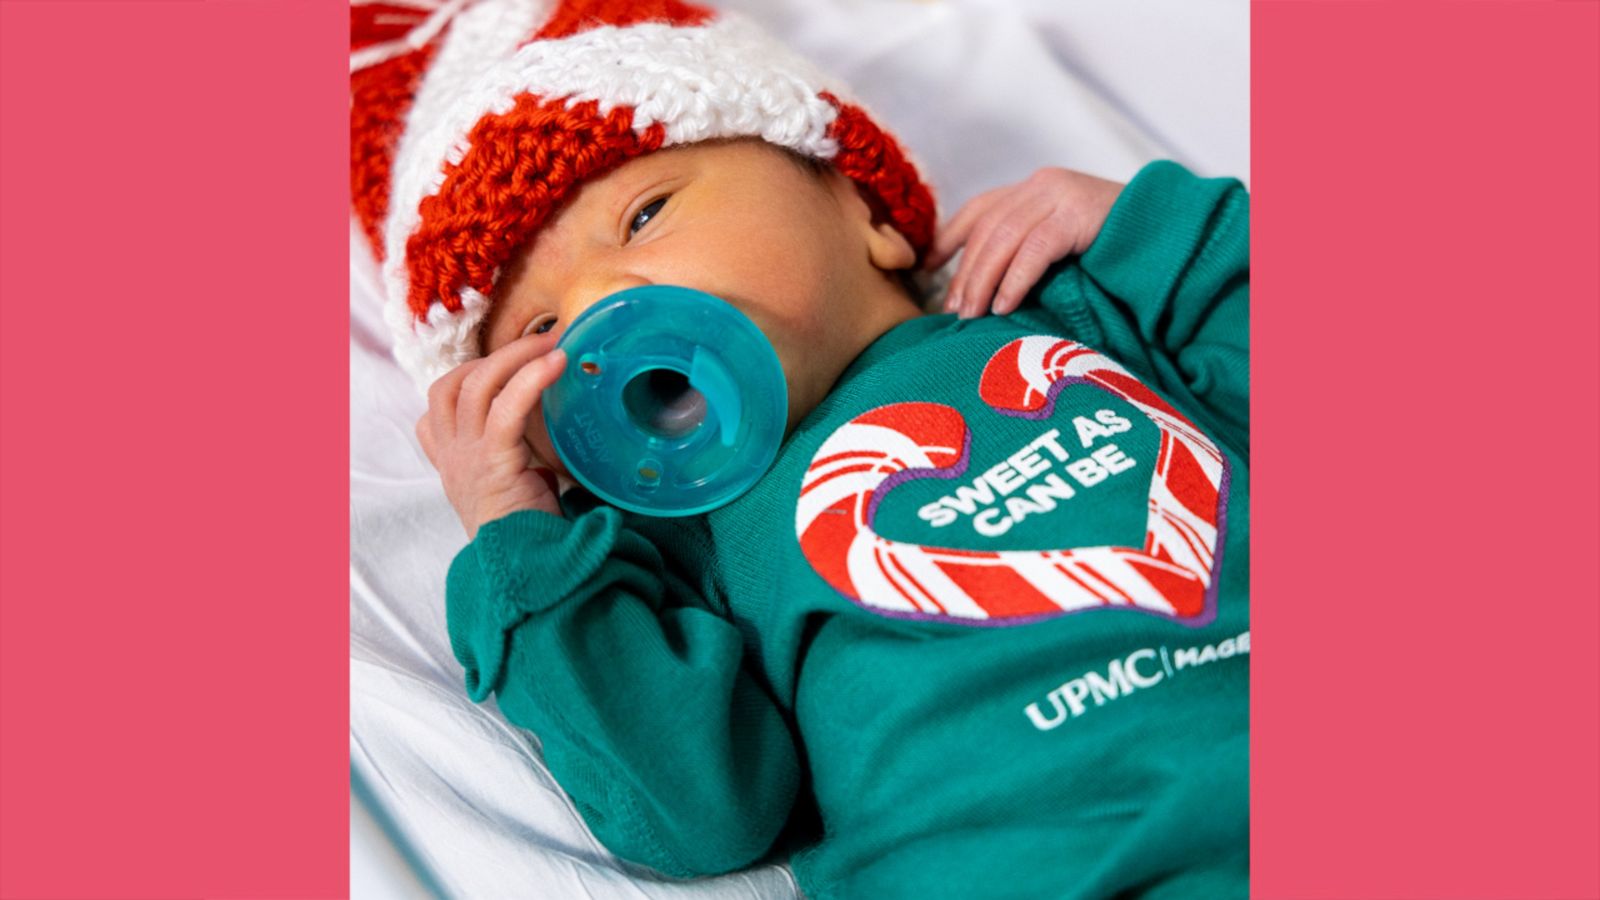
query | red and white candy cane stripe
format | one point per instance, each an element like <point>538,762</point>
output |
<point>876,451</point>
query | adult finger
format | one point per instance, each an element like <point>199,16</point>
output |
<point>1045,244</point>
<point>954,233</point>
<point>991,249</point>
<point>508,416</point>
<point>481,385</point>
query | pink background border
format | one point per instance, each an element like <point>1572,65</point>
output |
<point>1426,213</point>
<point>174,636</point>
<point>172,271</point>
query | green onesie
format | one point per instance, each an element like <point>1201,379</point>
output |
<point>984,623</point>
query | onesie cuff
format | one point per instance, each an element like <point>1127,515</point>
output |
<point>1158,224</point>
<point>518,566</point>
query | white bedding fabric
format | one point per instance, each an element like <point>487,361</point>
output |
<point>983,92</point>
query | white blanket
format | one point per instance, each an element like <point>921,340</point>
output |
<point>982,92</point>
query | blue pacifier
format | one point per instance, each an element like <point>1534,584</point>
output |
<point>672,403</point>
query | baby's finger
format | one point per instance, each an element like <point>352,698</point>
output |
<point>1042,247</point>
<point>443,395</point>
<point>425,437</point>
<point>484,383</point>
<point>508,416</point>
<point>991,249</point>
<point>955,232</point>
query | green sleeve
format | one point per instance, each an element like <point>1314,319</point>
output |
<point>1165,288</point>
<point>675,756</point>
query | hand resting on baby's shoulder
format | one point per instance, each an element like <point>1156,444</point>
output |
<point>1013,233</point>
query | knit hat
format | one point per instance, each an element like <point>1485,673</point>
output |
<point>472,121</point>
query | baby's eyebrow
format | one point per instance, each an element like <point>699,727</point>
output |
<point>627,193</point>
<point>628,190</point>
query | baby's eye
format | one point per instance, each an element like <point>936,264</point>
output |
<point>540,324</point>
<point>644,215</point>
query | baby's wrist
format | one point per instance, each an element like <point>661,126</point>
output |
<point>495,512</point>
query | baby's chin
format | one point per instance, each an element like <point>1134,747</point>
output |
<point>544,452</point>
<point>558,469</point>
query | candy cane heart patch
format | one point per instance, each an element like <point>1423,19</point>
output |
<point>1161,558</point>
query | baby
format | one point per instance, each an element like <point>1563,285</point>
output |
<point>982,628</point>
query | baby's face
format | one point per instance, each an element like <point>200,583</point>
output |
<point>796,252</point>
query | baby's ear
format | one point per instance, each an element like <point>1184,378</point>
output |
<point>886,246</point>
<point>889,248</point>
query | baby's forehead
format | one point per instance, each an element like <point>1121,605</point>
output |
<point>749,160</point>
<point>716,157</point>
<point>628,176</point>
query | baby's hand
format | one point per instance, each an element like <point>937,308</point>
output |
<point>1017,231</point>
<point>473,432</point>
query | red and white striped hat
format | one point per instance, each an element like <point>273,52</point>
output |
<point>471,121</point>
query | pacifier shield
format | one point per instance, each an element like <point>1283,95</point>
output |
<point>673,402</point>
